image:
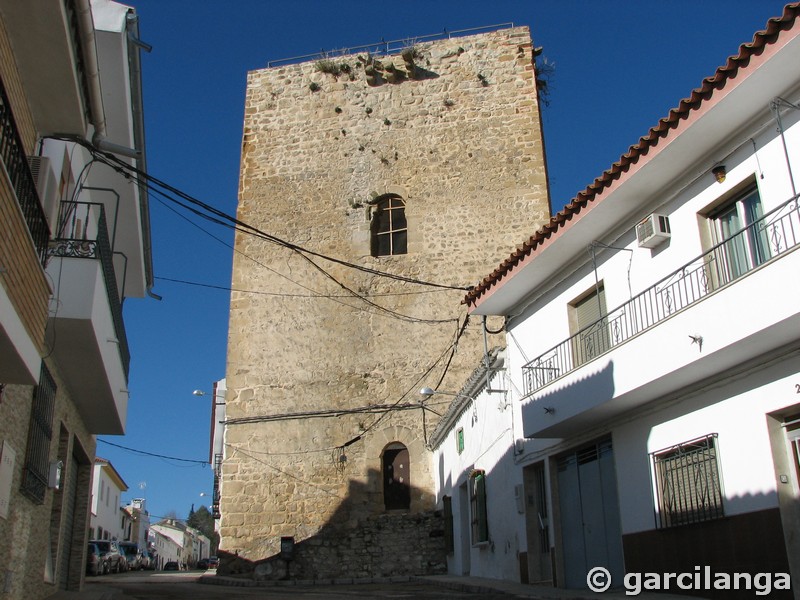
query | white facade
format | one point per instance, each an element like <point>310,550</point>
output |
<point>106,521</point>
<point>174,541</point>
<point>76,244</point>
<point>166,548</point>
<point>477,435</point>
<point>217,449</point>
<point>140,522</point>
<point>624,362</point>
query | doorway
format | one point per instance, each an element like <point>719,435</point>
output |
<point>465,528</point>
<point>590,529</point>
<point>537,526</point>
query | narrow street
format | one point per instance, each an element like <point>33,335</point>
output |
<point>186,585</point>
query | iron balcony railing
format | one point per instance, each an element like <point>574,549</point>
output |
<point>384,48</point>
<point>15,161</point>
<point>760,242</point>
<point>217,474</point>
<point>83,233</point>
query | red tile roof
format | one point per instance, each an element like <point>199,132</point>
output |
<point>727,71</point>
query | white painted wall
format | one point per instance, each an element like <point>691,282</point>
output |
<point>166,548</point>
<point>106,494</point>
<point>737,414</point>
<point>657,389</point>
<point>489,436</point>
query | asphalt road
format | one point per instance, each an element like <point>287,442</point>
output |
<point>185,585</point>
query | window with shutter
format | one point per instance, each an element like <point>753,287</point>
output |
<point>688,482</point>
<point>480,523</point>
<point>589,326</point>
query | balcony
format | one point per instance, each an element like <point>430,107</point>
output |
<point>15,161</point>
<point>88,332</point>
<point>647,361</point>
<point>25,234</point>
<point>217,475</point>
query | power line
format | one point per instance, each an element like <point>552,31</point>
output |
<point>226,288</point>
<point>351,292</point>
<point>135,451</point>
<point>223,218</point>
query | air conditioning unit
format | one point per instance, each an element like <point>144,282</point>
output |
<point>46,187</point>
<point>652,231</point>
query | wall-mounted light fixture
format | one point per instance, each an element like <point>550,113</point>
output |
<point>719,173</point>
<point>202,393</point>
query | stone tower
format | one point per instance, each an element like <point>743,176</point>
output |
<point>409,169</point>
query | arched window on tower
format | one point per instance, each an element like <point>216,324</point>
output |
<point>389,228</point>
<point>396,477</point>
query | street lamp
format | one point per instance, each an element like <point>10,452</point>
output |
<point>202,393</point>
<point>427,392</point>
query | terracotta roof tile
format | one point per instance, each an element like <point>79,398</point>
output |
<point>761,39</point>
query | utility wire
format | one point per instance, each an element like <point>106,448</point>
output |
<point>223,218</point>
<point>134,450</point>
<point>226,288</point>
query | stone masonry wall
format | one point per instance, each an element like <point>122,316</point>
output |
<point>313,342</point>
<point>33,529</point>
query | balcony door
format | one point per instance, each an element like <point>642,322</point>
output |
<point>589,326</point>
<point>742,238</point>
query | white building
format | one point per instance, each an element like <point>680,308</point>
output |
<point>653,354</point>
<point>217,445</point>
<point>174,541</point>
<point>198,546</point>
<point>474,438</point>
<point>75,245</point>
<point>140,522</point>
<point>106,521</point>
<point>166,544</point>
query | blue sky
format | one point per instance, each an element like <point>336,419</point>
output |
<point>619,68</point>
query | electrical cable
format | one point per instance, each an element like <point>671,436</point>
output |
<point>451,348</point>
<point>134,450</point>
<point>225,288</point>
<point>352,293</point>
<point>223,218</point>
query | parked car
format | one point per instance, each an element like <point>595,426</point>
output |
<point>146,562</point>
<point>95,565</point>
<point>213,562</point>
<point>172,566</point>
<point>132,554</point>
<point>110,555</point>
<point>202,564</point>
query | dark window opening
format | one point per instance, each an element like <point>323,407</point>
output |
<point>478,512</point>
<point>389,227</point>
<point>37,456</point>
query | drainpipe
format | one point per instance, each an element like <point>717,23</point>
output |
<point>97,114</point>
<point>134,47</point>
<point>97,117</point>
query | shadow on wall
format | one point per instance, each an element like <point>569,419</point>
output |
<point>355,544</point>
<point>567,407</point>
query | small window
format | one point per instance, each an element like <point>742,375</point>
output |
<point>449,535</point>
<point>40,432</point>
<point>477,497</point>
<point>688,484</point>
<point>460,440</point>
<point>389,228</point>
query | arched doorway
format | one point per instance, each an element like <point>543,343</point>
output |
<point>396,477</point>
